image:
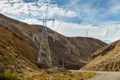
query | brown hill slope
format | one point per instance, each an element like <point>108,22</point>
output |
<point>81,47</point>
<point>14,51</point>
<point>106,58</point>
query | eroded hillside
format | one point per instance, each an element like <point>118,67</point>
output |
<point>106,58</point>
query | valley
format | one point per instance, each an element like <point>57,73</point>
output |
<point>86,56</point>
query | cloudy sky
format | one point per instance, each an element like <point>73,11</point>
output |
<point>90,18</point>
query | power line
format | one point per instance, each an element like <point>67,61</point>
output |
<point>29,14</point>
<point>44,55</point>
<point>62,20</point>
<point>70,4</point>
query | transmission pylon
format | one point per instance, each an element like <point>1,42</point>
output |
<point>44,55</point>
<point>86,30</point>
<point>68,48</point>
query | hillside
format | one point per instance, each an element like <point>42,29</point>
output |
<point>14,51</point>
<point>106,58</point>
<point>81,48</point>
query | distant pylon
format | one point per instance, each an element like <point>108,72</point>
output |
<point>68,48</point>
<point>86,30</point>
<point>63,63</point>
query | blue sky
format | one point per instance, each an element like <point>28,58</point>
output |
<point>91,11</point>
<point>85,11</point>
<point>72,16</point>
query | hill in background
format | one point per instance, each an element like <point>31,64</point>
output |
<point>106,58</point>
<point>81,48</point>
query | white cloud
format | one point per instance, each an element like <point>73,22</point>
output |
<point>114,6</point>
<point>20,7</point>
<point>31,21</point>
<point>54,10</point>
<point>108,32</point>
<point>105,31</point>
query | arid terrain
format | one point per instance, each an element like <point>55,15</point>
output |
<point>106,76</point>
<point>106,58</point>
<point>59,39</point>
<point>14,51</point>
<point>81,48</point>
<point>101,75</point>
<point>18,52</point>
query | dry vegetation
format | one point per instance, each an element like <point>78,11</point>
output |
<point>14,51</point>
<point>81,48</point>
<point>106,58</point>
<point>53,74</point>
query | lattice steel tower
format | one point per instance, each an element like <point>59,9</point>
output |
<point>44,55</point>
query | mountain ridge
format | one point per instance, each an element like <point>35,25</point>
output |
<point>81,48</point>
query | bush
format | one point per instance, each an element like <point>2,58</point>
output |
<point>7,75</point>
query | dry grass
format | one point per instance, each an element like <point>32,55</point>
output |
<point>55,74</point>
<point>106,58</point>
<point>8,75</point>
<point>71,76</point>
<point>14,51</point>
<point>30,74</point>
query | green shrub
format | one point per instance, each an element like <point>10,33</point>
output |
<point>7,75</point>
<point>28,77</point>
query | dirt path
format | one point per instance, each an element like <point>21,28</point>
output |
<point>106,76</point>
<point>103,75</point>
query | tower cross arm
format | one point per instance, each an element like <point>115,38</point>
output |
<point>46,20</point>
